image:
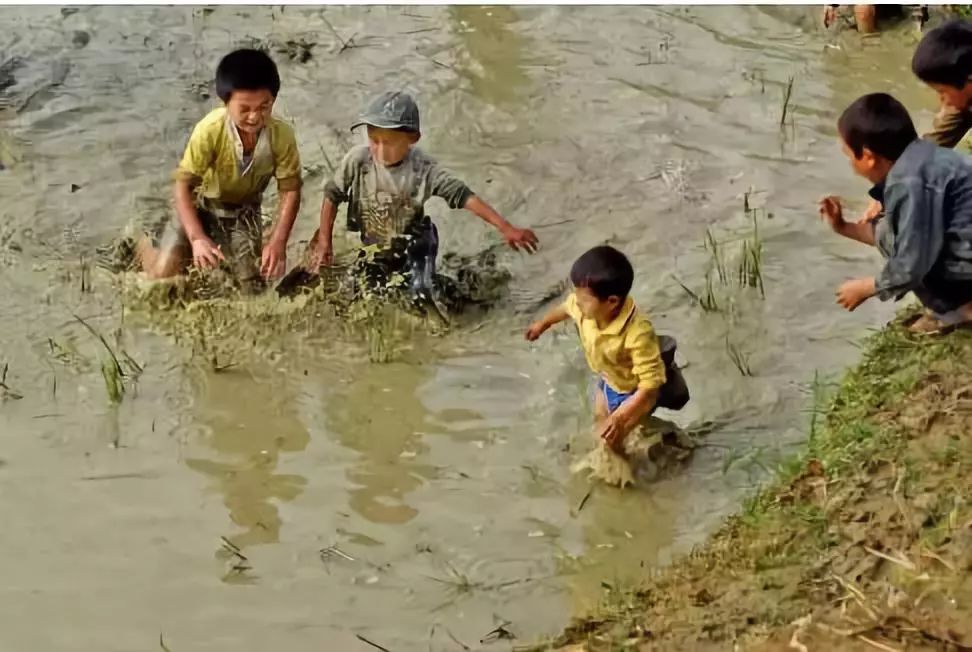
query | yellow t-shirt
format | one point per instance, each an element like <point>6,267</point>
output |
<point>214,160</point>
<point>625,353</point>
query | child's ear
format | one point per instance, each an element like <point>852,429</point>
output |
<point>868,158</point>
<point>614,301</point>
<point>416,136</point>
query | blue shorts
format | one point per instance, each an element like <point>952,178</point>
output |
<point>614,398</point>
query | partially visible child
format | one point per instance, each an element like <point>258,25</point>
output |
<point>386,184</point>
<point>926,234</point>
<point>618,340</point>
<point>943,60</point>
<point>232,155</point>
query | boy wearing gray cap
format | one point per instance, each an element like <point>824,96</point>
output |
<point>386,184</point>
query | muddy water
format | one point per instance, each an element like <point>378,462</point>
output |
<point>441,477</point>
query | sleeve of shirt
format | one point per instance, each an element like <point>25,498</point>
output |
<point>336,188</point>
<point>917,217</point>
<point>647,364</point>
<point>570,307</point>
<point>949,127</point>
<point>199,156</point>
<point>449,187</point>
<point>286,159</point>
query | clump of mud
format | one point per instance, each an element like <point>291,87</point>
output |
<point>865,543</point>
<point>653,447</point>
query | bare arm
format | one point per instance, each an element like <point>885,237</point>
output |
<point>205,253</point>
<point>515,237</point>
<point>186,210</point>
<point>552,318</point>
<point>832,212</point>
<point>322,253</point>
<point>289,206</point>
<point>860,231</point>
<point>274,259</point>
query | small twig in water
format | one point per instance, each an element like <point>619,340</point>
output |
<point>498,634</point>
<point>162,644</point>
<point>371,643</point>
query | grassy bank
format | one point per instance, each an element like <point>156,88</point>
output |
<point>864,542</point>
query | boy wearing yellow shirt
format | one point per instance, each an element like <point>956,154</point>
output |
<point>619,342</point>
<point>231,156</point>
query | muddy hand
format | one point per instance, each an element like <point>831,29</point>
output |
<point>206,253</point>
<point>535,331</point>
<point>612,431</point>
<point>521,240</point>
<point>873,211</point>
<point>273,261</point>
<point>831,211</point>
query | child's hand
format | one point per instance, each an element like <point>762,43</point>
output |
<point>832,212</point>
<point>273,260</point>
<point>322,254</point>
<point>206,253</point>
<point>613,431</point>
<point>521,239</point>
<point>536,329</point>
<point>873,211</point>
<point>853,293</point>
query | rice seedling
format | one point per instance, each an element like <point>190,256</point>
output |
<point>787,97</point>
<point>739,358</point>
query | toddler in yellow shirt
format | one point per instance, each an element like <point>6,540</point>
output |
<point>618,340</point>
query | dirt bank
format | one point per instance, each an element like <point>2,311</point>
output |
<point>863,543</point>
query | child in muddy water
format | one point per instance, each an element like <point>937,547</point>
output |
<point>622,349</point>
<point>386,184</point>
<point>231,156</point>
<point>926,232</point>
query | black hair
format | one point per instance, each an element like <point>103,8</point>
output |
<point>944,55</point>
<point>246,70</point>
<point>879,123</point>
<point>605,271</point>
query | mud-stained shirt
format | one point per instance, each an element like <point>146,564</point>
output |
<point>625,353</point>
<point>927,228</point>
<point>214,160</point>
<point>386,201</point>
<point>951,125</point>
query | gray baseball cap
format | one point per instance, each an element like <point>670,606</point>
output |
<point>391,110</point>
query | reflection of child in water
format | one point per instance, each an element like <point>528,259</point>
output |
<point>618,340</point>
<point>387,182</point>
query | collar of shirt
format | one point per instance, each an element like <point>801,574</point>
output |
<point>262,147</point>
<point>619,322</point>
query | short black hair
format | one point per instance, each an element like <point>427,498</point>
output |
<point>878,122</point>
<point>944,55</point>
<point>246,70</point>
<point>605,271</point>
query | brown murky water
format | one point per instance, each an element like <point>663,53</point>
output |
<point>440,477</point>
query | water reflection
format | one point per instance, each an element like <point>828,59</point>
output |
<point>380,415</point>
<point>493,53</point>
<point>251,425</point>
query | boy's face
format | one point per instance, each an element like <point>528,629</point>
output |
<point>957,98</point>
<point>389,146</point>
<point>867,165</point>
<point>250,110</point>
<point>593,307</point>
